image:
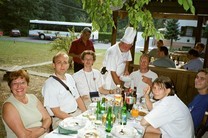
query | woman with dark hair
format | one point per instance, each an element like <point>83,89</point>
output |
<point>23,114</point>
<point>168,116</point>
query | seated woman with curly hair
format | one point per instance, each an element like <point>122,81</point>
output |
<point>23,114</point>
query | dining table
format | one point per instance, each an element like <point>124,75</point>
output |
<point>92,125</point>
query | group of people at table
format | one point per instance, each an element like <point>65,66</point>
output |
<point>25,116</point>
<point>162,58</point>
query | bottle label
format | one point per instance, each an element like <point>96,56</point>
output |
<point>124,119</point>
<point>129,100</point>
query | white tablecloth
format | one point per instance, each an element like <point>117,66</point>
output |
<point>130,122</point>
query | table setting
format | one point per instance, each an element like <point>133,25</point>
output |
<point>110,123</point>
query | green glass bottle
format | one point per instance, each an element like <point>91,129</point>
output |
<point>102,106</point>
<point>124,114</point>
<point>109,121</point>
<point>98,111</point>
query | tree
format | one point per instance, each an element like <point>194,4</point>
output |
<point>17,13</point>
<point>100,12</point>
<point>172,31</point>
<point>52,11</point>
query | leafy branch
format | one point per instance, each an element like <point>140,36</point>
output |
<point>100,12</point>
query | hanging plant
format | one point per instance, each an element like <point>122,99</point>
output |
<point>100,12</point>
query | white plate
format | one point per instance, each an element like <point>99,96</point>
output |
<point>72,123</point>
<point>128,132</point>
<point>91,133</point>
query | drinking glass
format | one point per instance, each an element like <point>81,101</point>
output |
<point>135,113</point>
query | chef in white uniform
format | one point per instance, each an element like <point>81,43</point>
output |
<point>117,59</point>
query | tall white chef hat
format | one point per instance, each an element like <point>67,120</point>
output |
<point>129,35</point>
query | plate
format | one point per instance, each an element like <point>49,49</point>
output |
<point>91,133</point>
<point>72,123</point>
<point>124,131</point>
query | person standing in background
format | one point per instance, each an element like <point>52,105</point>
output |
<point>153,52</point>
<point>200,48</point>
<point>117,59</point>
<point>78,46</point>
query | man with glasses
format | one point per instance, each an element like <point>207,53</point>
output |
<point>117,59</point>
<point>80,45</point>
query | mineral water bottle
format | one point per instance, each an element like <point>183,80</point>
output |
<point>109,121</point>
<point>102,106</point>
<point>123,114</point>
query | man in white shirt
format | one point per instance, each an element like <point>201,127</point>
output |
<point>60,102</point>
<point>117,59</point>
<point>142,77</point>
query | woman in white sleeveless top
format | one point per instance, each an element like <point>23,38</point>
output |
<point>23,114</point>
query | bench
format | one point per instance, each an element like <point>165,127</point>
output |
<point>183,81</point>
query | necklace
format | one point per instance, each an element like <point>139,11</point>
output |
<point>89,80</point>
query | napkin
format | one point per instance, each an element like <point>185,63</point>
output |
<point>66,131</point>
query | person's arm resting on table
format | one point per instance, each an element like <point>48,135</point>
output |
<point>81,104</point>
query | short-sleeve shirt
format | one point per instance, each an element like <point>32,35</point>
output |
<point>194,65</point>
<point>164,62</point>
<point>153,53</point>
<point>78,46</point>
<point>56,95</point>
<point>115,60</point>
<point>136,76</point>
<point>88,81</point>
<point>197,108</point>
<point>172,117</point>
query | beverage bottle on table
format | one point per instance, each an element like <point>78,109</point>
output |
<point>135,95</point>
<point>118,89</point>
<point>123,114</point>
<point>102,106</point>
<point>109,121</point>
<point>129,100</point>
<point>98,111</point>
<point>123,94</point>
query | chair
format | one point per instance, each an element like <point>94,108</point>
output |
<point>203,126</point>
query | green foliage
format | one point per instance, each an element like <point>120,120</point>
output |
<point>100,11</point>
<point>172,30</point>
<point>187,4</point>
<point>63,43</point>
<point>104,36</point>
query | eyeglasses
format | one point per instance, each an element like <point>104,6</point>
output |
<point>19,83</point>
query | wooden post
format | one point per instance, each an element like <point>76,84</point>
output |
<point>114,29</point>
<point>198,29</point>
<point>206,56</point>
<point>146,45</point>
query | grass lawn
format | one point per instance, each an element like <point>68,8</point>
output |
<point>26,53</point>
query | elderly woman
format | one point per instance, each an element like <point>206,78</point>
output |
<point>23,114</point>
<point>168,116</point>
